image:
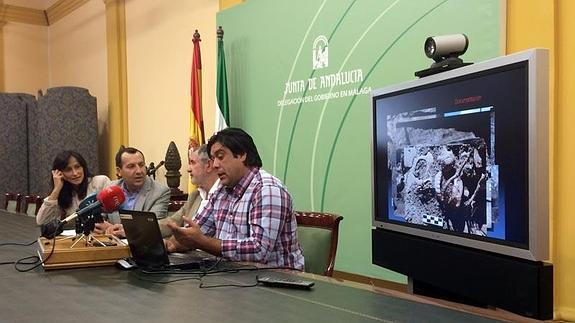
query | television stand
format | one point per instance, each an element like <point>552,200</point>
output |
<point>418,287</point>
<point>467,275</point>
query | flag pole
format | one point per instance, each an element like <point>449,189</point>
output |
<point>222,118</point>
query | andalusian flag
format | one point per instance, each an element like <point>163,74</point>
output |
<point>197,135</point>
<point>222,112</point>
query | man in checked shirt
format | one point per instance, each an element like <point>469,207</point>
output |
<point>250,217</point>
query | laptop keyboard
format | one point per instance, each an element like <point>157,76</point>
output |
<point>174,260</point>
<point>194,259</point>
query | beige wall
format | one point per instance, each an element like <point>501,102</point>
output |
<point>565,154</point>
<point>159,55</point>
<point>77,57</point>
<point>555,21</point>
<point>25,58</point>
<point>72,52</point>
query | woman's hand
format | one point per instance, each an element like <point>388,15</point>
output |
<point>58,179</point>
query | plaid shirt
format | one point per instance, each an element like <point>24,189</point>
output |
<point>254,220</point>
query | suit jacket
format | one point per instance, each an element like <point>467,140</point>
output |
<point>153,197</point>
<point>189,209</point>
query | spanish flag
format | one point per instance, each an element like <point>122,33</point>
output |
<point>197,135</point>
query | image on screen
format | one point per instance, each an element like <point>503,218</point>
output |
<point>444,178</point>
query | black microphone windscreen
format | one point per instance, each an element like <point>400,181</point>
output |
<point>51,229</point>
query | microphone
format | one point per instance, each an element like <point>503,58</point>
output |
<point>89,205</point>
<point>108,199</point>
<point>90,199</point>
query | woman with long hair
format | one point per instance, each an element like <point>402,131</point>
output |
<point>71,183</point>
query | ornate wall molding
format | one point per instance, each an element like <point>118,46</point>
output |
<point>9,13</point>
<point>62,8</point>
<point>59,10</point>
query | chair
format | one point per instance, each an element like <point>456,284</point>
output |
<point>31,205</point>
<point>179,197</point>
<point>174,206</point>
<point>318,234</point>
<point>12,202</point>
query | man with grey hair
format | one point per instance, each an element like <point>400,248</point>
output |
<point>205,178</point>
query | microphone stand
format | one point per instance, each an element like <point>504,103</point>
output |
<point>86,225</point>
<point>88,239</point>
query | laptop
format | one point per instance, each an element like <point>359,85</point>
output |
<point>147,245</point>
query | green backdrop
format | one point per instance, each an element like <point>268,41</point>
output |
<point>310,115</point>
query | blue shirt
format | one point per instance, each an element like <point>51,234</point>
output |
<point>130,198</point>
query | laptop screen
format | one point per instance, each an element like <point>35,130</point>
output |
<point>144,238</point>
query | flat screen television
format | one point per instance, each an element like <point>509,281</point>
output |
<point>462,156</point>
